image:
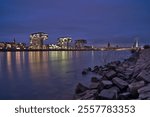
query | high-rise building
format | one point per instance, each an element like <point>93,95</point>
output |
<point>36,40</point>
<point>80,43</point>
<point>136,44</point>
<point>64,42</point>
<point>2,45</point>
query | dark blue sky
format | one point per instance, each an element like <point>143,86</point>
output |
<point>98,21</point>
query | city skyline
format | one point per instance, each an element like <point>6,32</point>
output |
<point>97,21</point>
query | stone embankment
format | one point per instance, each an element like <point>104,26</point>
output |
<point>125,80</point>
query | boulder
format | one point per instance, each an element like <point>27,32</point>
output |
<point>88,95</point>
<point>85,71</point>
<point>123,76</point>
<point>89,98</point>
<point>120,69</point>
<point>94,79</point>
<point>120,75</point>
<point>104,68</point>
<point>106,83</point>
<point>125,65</point>
<point>80,88</point>
<point>110,74</point>
<point>145,95</point>
<point>96,69</point>
<point>112,66</point>
<point>133,87</point>
<point>131,80</point>
<point>144,89</point>
<point>100,77</point>
<point>115,89</point>
<point>117,62</point>
<point>144,75</point>
<point>79,95</point>
<point>94,85</point>
<point>125,96</point>
<point>129,72</point>
<point>89,69</point>
<point>120,83</point>
<point>107,94</point>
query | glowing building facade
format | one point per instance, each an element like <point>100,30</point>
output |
<point>37,39</point>
<point>12,46</point>
<point>64,42</point>
<point>136,44</point>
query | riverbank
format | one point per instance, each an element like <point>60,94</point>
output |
<point>126,80</point>
<point>83,49</point>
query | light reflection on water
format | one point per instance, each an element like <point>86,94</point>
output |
<point>48,75</point>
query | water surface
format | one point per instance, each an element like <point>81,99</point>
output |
<point>48,75</point>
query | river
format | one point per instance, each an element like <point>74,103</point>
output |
<point>50,74</point>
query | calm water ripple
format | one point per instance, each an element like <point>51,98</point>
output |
<point>48,75</point>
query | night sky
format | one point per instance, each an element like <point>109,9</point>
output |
<point>98,21</point>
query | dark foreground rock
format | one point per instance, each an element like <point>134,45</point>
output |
<point>80,88</point>
<point>87,95</point>
<point>144,75</point>
<point>107,94</point>
<point>144,89</point>
<point>133,87</point>
<point>94,85</point>
<point>120,83</point>
<point>144,92</point>
<point>129,79</point>
<point>125,96</point>
<point>106,84</point>
<point>95,79</point>
<point>110,74</point>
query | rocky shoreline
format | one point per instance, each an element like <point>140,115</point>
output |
<point>126,80</point>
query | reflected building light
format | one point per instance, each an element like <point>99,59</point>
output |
<point>18,63</point>
<point>53,55</point>
<point>45,56</point>
<point>31,57</point>
<point>64,55</point>
<point>77,53</point>
<point>9,58</point>
<point>70,54</point>
<point>38,63</point>
<point>34,57</point>
<point>38,56</point>
<point>9,63</point>
<point>18,58</point>
<point>92,57</point>
<point>23,57</point>
<point>92,53</point>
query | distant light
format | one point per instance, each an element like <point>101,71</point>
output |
<point>18,48</point>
